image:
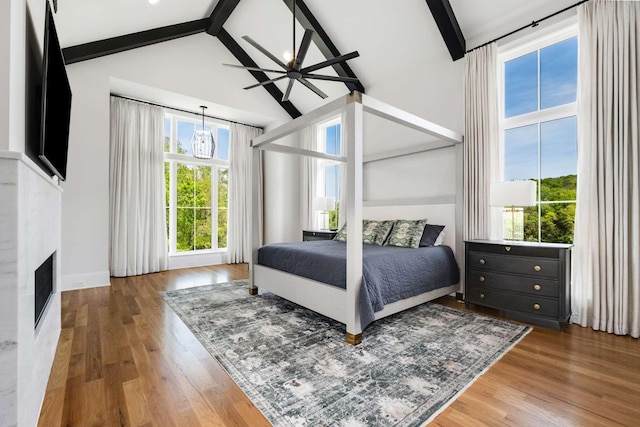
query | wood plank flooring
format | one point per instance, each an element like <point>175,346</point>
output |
<point>124,358</point>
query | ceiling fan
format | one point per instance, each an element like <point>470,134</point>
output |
<point>293,68</point>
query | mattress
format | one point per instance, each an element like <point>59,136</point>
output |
<point>389,273</point>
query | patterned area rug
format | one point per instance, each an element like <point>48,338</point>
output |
<point>296,368</point>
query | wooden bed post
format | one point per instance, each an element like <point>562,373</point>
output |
<point>353,139</point>
<point>255,216</point>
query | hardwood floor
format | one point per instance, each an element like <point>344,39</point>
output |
<point>124,358</point>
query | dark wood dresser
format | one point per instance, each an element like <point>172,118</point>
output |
<point>308,235</point>
<point>529,282</point>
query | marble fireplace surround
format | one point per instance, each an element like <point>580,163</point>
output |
<point>30,231</point>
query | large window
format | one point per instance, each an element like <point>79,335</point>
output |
<point>196,189</point>
<point>539,131</point>
<point>330,142</point>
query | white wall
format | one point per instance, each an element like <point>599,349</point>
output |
<point>190,66</point>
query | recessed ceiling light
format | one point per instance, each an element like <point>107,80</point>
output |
<point>153,1</point>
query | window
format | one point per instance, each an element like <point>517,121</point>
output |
<point>330,142</point>
<point>196,189</point>
<point>539,131</point>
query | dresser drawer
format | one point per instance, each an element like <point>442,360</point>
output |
<point>537,267</point>
<point>517,249</point>
<point>512,302</point>
<point>509,282</point>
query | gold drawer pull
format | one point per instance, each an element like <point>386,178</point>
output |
<point>481,278</point>
<point>537,268</point>
<point>536,306</point>
<point>537,287</point>
<point>481,296</point>
<point>507,248</point>
<point>483,262</point>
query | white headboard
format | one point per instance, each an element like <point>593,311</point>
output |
<point>438,210</point>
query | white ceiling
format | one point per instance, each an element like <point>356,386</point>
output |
<point>390,36</point>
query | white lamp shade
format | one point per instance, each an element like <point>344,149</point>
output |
<point>324,203</point>
<point>202,144</point>
<point>513,193</point>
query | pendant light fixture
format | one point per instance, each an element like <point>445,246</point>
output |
<point>202,143</point>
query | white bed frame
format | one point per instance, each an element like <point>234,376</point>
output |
<point>343,304</point>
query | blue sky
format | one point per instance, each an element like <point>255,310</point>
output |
<point>332,175</point>
<point>558,85</point>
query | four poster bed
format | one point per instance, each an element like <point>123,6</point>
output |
<point>349,294</point>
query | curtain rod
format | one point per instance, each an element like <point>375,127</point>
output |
<point>184,111</point>
<point>533,24</point>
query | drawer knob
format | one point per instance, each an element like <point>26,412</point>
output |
<point>481,296</point>
<point>537,287</point>
<point>481,278</point>
<point>537,268</point>
<point>536,306</point>
<point>507,248</point>
<point>483,262</point>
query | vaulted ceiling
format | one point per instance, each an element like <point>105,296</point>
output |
<point>390,36</point>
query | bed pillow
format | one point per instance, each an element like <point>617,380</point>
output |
<point>432,235</point>
<point>375,232</point>
<point>406,233</point>
<point>341,235</point>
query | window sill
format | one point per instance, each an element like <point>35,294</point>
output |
<point>196,253</point>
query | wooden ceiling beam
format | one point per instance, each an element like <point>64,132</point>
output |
<point>448,26</point>
<point>220,14</point>
<point>323,42</point>
<point>244,58</point>
<point>92,50</point>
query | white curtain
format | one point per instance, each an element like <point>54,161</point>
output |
<point>239,219</point>
<point>481,157</point>
<point>309,141</point>
<point>138,239</point>
<point>606,268</point>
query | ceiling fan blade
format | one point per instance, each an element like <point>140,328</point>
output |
<point>255,44</point>
<point>285,97</point>
<point>265,82</point>
<point>304,47</point>
<point>266,70</point>
<point>313,87</point>
<point>331,78</point>
<point>331,61</point>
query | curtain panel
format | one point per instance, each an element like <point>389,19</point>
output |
<point>481,157</point>
<point>239,219</point>
<point>606,268</point>
<point>138,239</point>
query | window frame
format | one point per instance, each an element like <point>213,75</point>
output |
<point>216,164</point>
<point>321,146</point>
<point>510,51</point>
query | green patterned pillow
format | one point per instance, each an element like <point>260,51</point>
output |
<point>406,233</point>
<point>375,232</point>
<point>341,235</point>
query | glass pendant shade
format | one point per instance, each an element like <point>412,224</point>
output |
<point>202,144</point>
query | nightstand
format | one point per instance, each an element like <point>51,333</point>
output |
<point>527,281</point>
<point>308,235</point>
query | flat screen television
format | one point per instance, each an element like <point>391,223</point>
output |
<point>56,102</point>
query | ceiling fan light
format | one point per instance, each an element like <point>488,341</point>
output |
<point>287,55</point>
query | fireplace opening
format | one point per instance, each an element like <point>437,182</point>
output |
<point>44,287</point>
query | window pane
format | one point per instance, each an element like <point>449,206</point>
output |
<point>557,222</point>
<point>185,186</point>
<point>168,232</point>
<point>185,132</point>
<point>530,224</point>
<point>332,181</point>
<point>222,144</point>
<point>521,85</point>
<point>223,203</point>
<point>333,139</point>
<point>521,153</point>
<point>184,229</point>
<point>203,228</point>
<point>558,159</point>
<point>167,134</point>
<point>167,184</point>
<point>202,182</point>
<point>559,73</point>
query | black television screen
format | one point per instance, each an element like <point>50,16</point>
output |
<point>56,102</point>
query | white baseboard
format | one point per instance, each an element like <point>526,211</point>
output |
<point>86,280</point>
